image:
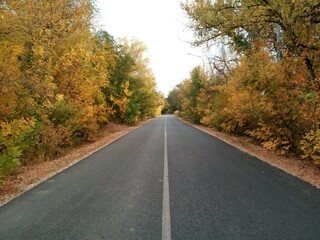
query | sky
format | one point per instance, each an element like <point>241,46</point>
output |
<point>161,25</point>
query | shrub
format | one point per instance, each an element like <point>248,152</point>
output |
<point>310,146</point>
<point>15,137</point>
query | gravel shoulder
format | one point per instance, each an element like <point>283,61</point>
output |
<point>26,177</point>
<point>303,169</point>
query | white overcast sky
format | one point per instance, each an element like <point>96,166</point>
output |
<point>160,24</point>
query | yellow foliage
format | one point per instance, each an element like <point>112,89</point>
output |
<point>9,75</point>
<point>55,88</point>
<point>310,146</point>
<point>267,86</point>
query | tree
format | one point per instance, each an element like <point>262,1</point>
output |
<point>51,75</point>
<point>245,23</point>
<point>184,97</point>
<point>174,100</point>
<point>61,80</point>
<point>133,71</point>
<point>270,98</point>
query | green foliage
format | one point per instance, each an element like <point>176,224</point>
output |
<point>61,111</point>
<point>185,95</point>
<point>15,137</point>
<point>173,100</point>
<point>131,91</point>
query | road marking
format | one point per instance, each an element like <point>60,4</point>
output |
<point>166,225</point>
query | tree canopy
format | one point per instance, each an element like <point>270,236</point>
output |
<point>61,80</point>
<point>270,89</point>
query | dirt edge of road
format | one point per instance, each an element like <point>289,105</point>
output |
<point>27,177</point>
<point>303,169</point>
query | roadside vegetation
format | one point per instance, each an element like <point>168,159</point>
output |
<point>264,82</point>
<point>61,80</point>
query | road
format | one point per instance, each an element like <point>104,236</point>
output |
<point>166,180</point>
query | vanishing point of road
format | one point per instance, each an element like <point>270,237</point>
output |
<point>166,180</point>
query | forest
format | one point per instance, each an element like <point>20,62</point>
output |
<point>62,79</point>
<point>264,82</point>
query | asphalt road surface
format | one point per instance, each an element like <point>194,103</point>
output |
<point>166,180</point>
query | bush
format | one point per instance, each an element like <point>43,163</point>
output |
<point>310,146</point>
<point>15,137</point>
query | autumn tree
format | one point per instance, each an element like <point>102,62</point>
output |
<point>132,92</point>
<point>174,100</point>
<point>117,92</point>
<point>51,75</point>
<point>270,90</point>
<point>242,24</point>
<point>184,97</point>
<point>61,80</point>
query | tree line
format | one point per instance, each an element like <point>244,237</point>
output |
<point>264,83</point>
<point>61,80</point>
